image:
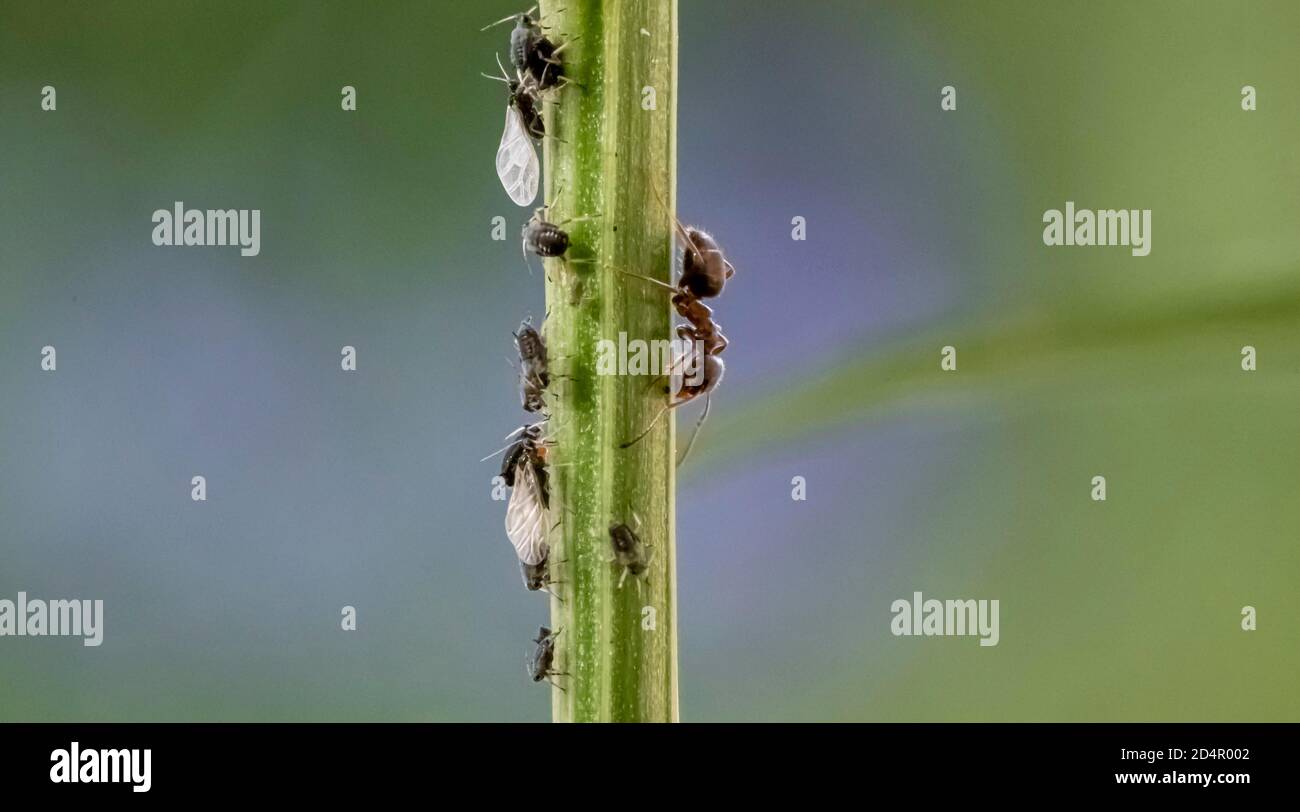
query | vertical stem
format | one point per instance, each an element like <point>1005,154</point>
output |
<point>613,160</point>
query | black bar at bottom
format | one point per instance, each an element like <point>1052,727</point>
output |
<point>523,763</point>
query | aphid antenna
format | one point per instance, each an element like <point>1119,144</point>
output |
<point>527,13</point>
<point>504,77</point>
<point>511,436</point>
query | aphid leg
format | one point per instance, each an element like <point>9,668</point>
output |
<point>622,578</point>
<point>699,423</point>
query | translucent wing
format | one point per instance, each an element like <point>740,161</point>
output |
<point>526,516</point>
<point>517,163</point>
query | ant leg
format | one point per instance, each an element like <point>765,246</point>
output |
<point>704,415</point>
<point>645,431</point>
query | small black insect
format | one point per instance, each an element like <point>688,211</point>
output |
<point>537,577</point>
<point>524,470</point>
<point>532,53</point>
<point>543,238</point>
<point>534,373</point>
<point>630,552</point>
<point>547,239</point>
<point>540,663</point>
<point>528,449</point>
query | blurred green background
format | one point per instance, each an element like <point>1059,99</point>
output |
<point>924,230</point>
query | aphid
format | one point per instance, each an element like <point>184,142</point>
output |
<point>630,552</point>
<point>547,239</point>
<point>532,53</point>
<point>524,470</point>
<point>540,664</point>
<point>517,164</point>
<point>534,373</point>
<point>537,577</point>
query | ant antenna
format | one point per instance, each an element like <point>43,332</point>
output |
<point>658,282</point>
<point>677,224</point>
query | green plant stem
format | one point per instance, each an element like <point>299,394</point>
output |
<point>611,160</point>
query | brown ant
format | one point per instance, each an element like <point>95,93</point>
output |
<point>705,271</point>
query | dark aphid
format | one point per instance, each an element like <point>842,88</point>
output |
<point>524,469</point>
<point>528,448</point>
<point>541,661</point>
<point>537,577</point>
<point>630,552</point>
<point>532,53</point>
<point>543,238</point>
<point>526,98</point>
<point>534,373</point>
<point>516,162</point>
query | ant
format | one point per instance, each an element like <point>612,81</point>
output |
<point>705,271</point>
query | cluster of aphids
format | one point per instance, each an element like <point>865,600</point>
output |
<point>537,69</point>
<point>705,271</point>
